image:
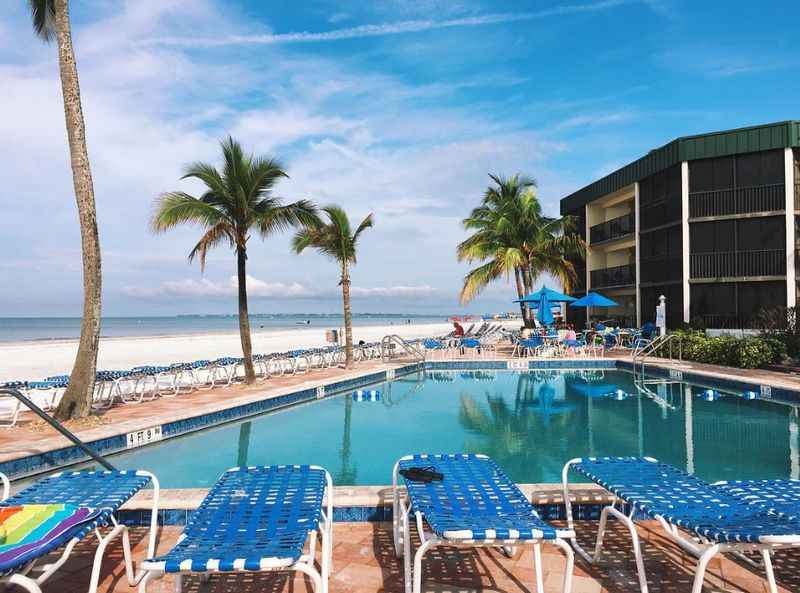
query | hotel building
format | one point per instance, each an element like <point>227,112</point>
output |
<point>708,221</point>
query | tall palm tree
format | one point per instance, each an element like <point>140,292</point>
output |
<point>336,239</point>
<point>237,200</point>
<point>512,236</point>
<point>51,21</point>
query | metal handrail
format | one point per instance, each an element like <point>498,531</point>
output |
<point>394,338</point>
<point>58,426</point>
<point>639,355</point>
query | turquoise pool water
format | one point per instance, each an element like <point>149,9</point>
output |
<point>530,422</point>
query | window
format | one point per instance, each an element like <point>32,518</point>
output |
<point>660,198</point>
<point>761,233</point>
<point>759,168</point>
<point>711,237</point>
<point>713,299</point>
<point>755,296</point>
<point>711,174</point>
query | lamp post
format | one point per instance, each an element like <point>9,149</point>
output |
<point>661,315</point>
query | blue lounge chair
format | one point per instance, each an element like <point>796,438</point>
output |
<point>778,496</point>
<point>256,519</point>
<point>713,520</point>
<point>475,504</point>
<point>104,492</point>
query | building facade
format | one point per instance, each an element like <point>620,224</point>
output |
<point>709,221</point>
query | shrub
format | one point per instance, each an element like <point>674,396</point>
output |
<point>748,353</point>
<point>751,353</point>
<point>778,347</point>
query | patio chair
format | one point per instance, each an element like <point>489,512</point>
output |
<point>471,345</point>
<point>255,519</point>
<point>82,502</point>
<point>713,520</point>
<point>434,346</point>
<point>475,504</point>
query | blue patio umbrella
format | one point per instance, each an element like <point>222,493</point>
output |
<point>545,312</point>
<point>594,299</point>
<point>552,295</point>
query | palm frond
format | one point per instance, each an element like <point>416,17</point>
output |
<point>367,223</point>
<point>213,237</point>
<point>279,218</point>
<point>174,208</point>
<point>43,17</point>
<point>478,279</point>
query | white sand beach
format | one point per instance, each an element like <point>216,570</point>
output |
<point>36,360</point>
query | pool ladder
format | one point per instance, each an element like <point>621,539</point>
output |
<point>390,343</point>
<point>641,354</point>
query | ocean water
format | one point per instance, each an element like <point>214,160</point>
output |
<point>531,423</point>
<point>15,329</point>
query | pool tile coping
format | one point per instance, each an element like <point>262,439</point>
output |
<point>367,503</point>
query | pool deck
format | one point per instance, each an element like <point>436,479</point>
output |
<point>364,562</point>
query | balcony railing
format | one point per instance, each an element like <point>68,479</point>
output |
<point>735,264</point>
<point>728,321</point>
<point>612,229</point>
<point>797,195</point>
<point>667,268</point>
<point>616,276</point>
<point>740,200</point>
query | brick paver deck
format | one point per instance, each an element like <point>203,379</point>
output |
<point>364,562</point>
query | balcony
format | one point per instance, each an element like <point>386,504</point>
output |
<point>667,268</point>
<point>740,200</point>
<point>612,229</point>
<point>736,264</point>
<point>616,276</point>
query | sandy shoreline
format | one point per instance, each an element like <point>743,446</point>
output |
<point>38,359</point>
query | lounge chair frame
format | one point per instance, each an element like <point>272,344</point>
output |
<point>155,569</point>
<point>22,579</point>
<point>702,548</point>
<point>401,523</point>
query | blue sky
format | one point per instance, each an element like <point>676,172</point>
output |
<point>399,108</point>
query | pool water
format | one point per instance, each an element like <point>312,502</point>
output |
<point>531,423</point>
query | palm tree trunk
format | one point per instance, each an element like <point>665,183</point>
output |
<point>244,317</point>
<point>520,294</point>
<point>348,320</point>
<point>77,400</point>
<point>527,282</point>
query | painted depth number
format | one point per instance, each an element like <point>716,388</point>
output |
<point>143,437</point>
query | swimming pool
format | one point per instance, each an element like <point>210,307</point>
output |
<point>531,422</point>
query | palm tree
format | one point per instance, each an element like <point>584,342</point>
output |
<point>51,21</point>
<point>512,236</point>
<point>237,200</point>
<point>336,239</point>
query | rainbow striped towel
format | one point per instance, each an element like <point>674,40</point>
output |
<point>32,530</point>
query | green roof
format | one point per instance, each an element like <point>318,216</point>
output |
<point>688,148</point>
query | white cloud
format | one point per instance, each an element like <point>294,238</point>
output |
<point>361,31</point>
<point>204,288</point>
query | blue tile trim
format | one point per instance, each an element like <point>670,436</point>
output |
<point>359,514</point>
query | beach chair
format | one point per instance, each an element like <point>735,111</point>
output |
<point>75,504</point>
<point>701,518</point>
<point>10,406</point>
<point>476,505</point>
<point>256,519</point>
